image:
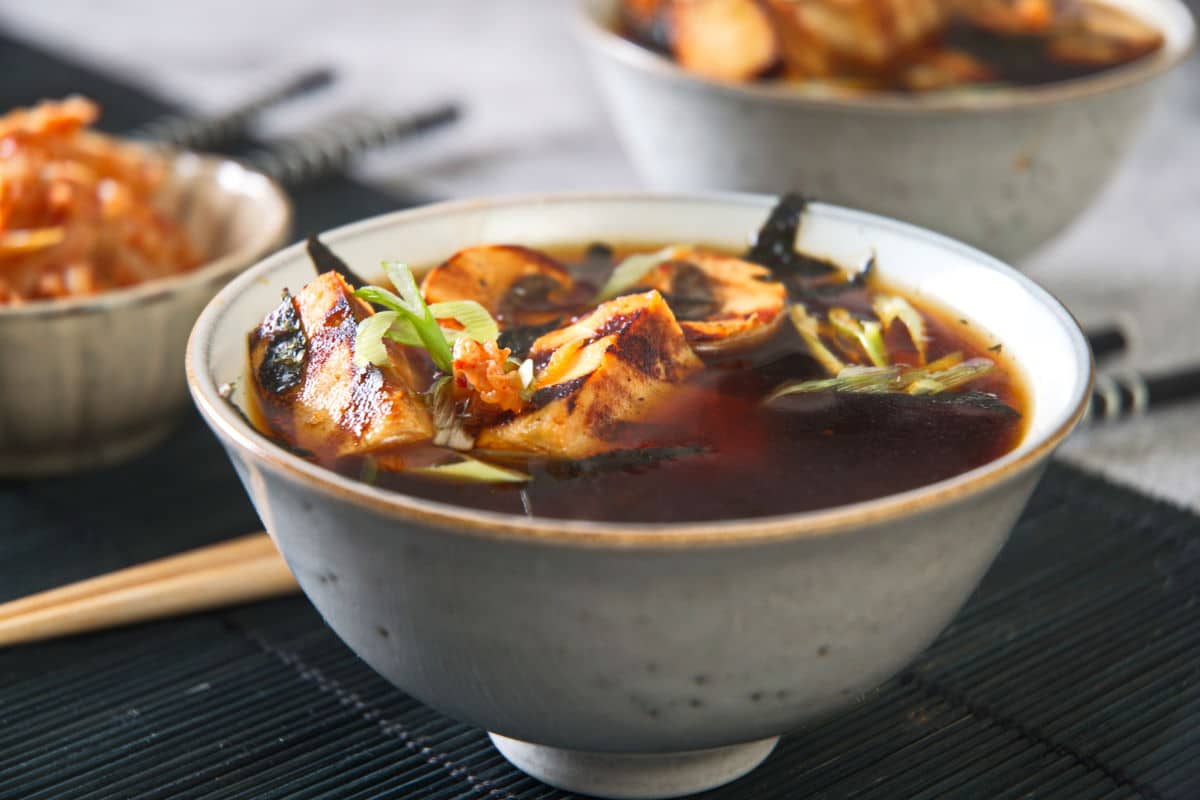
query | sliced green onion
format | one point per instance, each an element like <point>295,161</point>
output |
<point>890,307</point>
<point>403,332</point>
<point>953,377</point>
<point>411,307</point>
<point>526,373</point>
<point>869,334</point>
<point>632,269</point>
<point>890,380</point>
<point>863,380</point>
<point>475,319</point>
<point>368,339</point>
<point>806,326</point>
<point>472,469</point>
<point>406,285</point>
<point>448,428</point>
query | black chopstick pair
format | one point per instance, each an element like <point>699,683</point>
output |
<point>315,154</point>
<point>1121,395</point>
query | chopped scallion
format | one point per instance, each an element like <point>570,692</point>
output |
<point>632,269</point>
<point>889,307</point>
<point>806,325</point>
<point>475,319</point>
<point>869,334</point>
<point>472,469</point>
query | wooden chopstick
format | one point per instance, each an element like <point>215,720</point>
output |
<point>242,570</point>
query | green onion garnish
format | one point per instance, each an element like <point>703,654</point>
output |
<point>809,330</point>
<point>869,334</point>
<point>475,319</point>
<point>892,380</point>
<point>472,469</point>
<point>889,307</point>
<point>408,320</point>
<point>632,269</point>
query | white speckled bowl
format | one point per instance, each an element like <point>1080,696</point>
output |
<point>1002,169</point>
<point>627,660</point>
<point>89,381</point>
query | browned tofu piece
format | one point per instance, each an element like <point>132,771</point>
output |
<point>1096,35</point>
<point>311,392</point>
<point>507,280</point>
<point>722,303</point>
<point>729,40</point>
<point>595,377</point>
<point>847,38</point>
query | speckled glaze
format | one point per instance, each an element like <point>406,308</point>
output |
<point>91,381</point>
<point>643,660</point>
<point>1002,169</point>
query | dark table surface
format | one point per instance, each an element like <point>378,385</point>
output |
<point>1074,671</point>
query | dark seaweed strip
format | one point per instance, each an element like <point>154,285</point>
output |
<point>520,340</point>
<point>282,366</point>
<point>983,404</point>
<point>635,460</point>
<point>325,260</point>
<point>691,295</point>
<point>775,244</point>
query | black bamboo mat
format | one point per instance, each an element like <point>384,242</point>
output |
<point>1074,671</point>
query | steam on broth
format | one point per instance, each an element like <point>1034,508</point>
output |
<point>656,382</point>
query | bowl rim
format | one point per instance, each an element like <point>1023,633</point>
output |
<point>260,244</point>
<point>1169,56</point>
<point>233,428</point>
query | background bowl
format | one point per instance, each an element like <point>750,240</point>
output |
<point>1002,169</point>
<point>93,380</point>
<point>604,656</point>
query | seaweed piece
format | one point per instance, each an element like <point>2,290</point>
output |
<point>632,460</point>
<point>326,260</point>
<point>520,339</point>
<point>970,402</point>
<point>775,244</point>
<point>529,293</point>
<point>691,297</point>
<point>282,365</point>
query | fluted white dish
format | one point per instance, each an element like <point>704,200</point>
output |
<point>90,381</point>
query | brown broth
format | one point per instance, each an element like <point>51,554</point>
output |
<point>740,459</point>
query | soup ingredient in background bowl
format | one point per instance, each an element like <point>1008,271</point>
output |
<point>78,209</point>
<point>906,45</point>
<point>692,383</point>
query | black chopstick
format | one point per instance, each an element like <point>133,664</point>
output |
<point>329,148</point>
<point>1106,341</point>
<point>1129,394</point>
<point>209,131</point>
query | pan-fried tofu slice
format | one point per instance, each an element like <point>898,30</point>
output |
<point>510,281</point>
<point>310,390</point>
<point>722,303</point>
<point>596,376</point>
<point>842,38</point>
<point>729,40</point>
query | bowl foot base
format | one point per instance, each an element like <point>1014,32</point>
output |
<point>642,776</point>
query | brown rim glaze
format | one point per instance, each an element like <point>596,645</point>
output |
<point>233,429</point>
<point>216,270</point>
<point>1179,43</point>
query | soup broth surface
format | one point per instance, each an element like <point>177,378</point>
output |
<point>713,451</point>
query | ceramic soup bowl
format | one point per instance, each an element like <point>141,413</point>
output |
<point>1004,169</point>
<point>627,660</point>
